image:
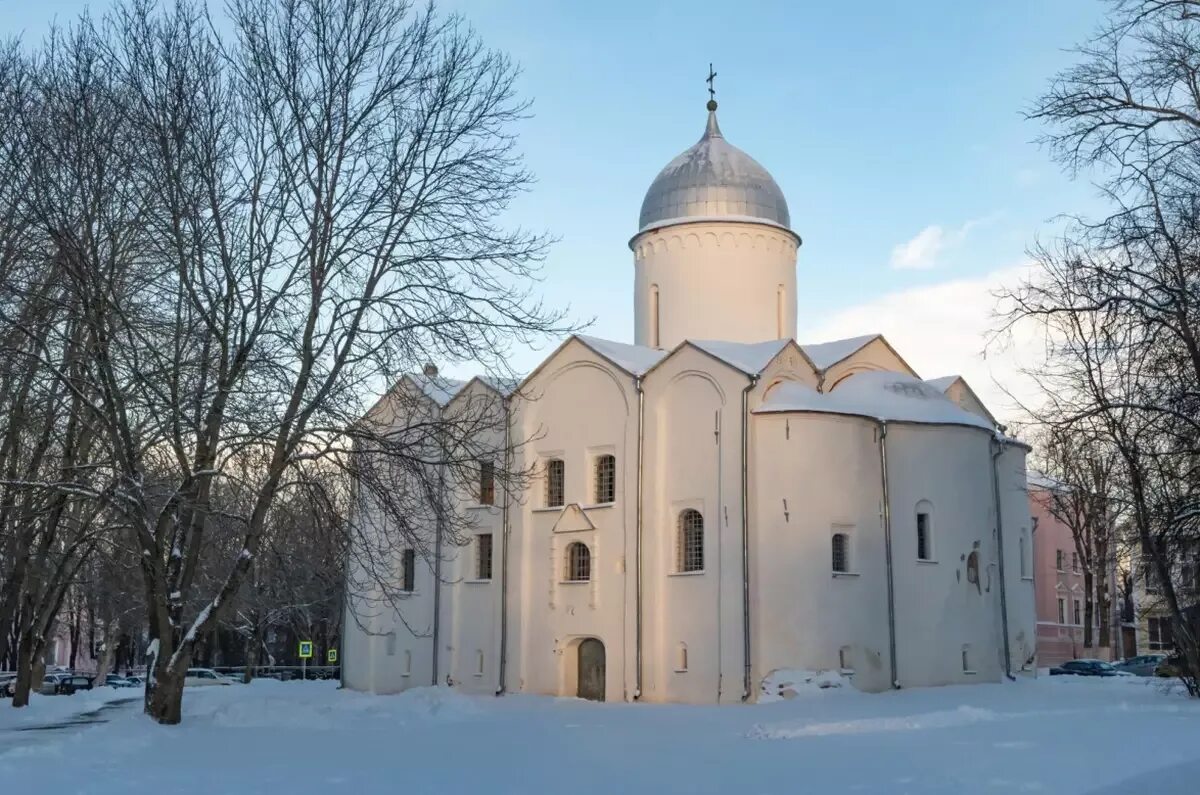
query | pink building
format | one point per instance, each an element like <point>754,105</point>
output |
<point>1057,584</point>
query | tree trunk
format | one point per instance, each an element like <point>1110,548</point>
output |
<point>76,635</point>
<point>1089,608</point>
<point>24,670</point>
<point>164,702</point>
<point>107,656</point>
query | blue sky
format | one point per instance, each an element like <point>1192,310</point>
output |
<point>887,125</point>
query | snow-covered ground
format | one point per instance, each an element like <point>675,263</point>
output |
<point>1060,735</point>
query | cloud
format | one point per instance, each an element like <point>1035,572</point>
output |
<point>922,251</point>
<point>945,329</point>
<point>1027,177</point>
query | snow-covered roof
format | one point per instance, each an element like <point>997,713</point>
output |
<point>437,388</point>
<point>1040,480</point>
<point>826,354</point>
<point>880,395</point>
<point>749,357</point>
<point>633,359</point>
<point>943,383</point>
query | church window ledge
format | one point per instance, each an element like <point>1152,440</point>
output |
<point>548,509</point>
<point>685,573</point>
<point>926,562</point>
<point>479,507</point>
<point>477,582</point>
<point>840,574</point>
<point>574,582</point>
<point>595,505</point>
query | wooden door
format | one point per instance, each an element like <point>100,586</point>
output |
<point>591,670</point>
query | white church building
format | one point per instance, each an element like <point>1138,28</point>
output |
<point>717,508</point>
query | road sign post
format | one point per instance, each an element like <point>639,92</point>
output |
<point>306,653</point>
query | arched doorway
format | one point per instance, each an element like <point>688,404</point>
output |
<point>591,670</point>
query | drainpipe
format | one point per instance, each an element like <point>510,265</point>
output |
<point>437,555</point>
<point>746,672</point>
<point>887,544</point>
<point>504,533</point>
<point>641,446</point>
<point>997,451</point>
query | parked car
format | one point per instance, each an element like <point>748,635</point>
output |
<point>8,684</point>
<point>1172,666</point>
<point>52,686</point>
<point>1087,668</point>
<point>1143,665</point>
<point>113,680</point>
<point>204,677</point>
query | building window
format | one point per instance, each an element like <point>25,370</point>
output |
<point>390,643</point>
<point>924,530</point>
<point>690,547</point>
<point>408,571</point>
<point>1151,577</point>
<point>487,483</point>
<point>844,661</point>
<point>1076,612</point>
<point>1024,550</point>
<point>407,663</point>
<point>556,475</point>
<point>1059,557</point>
<point>841,553</point>
<point>780,296</point>
<point>681,664</point>
<point>479,662</point>
<point>1161,638</point>
<point>654,316</point>
<point>966,659</point>
<point>606,479</point>
<point>1062,610</point>
<point>483,556</point>
<point>579,562</point>
<point>1075,562</point>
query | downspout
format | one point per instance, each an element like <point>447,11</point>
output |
<point>887,544</point>
<point>641,446</point>
<point>997,451</point>
<point>504,533</point>
<point>437,554</point>
<point>746,667</point>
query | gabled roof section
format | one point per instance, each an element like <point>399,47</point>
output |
<point>945,383</point>
<point>749,357</point>
<point>439,389</point>
<point>826,354</point>
<point>633,359</point>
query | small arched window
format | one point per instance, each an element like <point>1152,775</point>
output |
<point>654,316</point>
<point>556,476</point>
<point>479,662</point>
<point>681,663</point>
<point>690,547</point>
<point>579,562</point>
<point>606,479</point>
<point>780,297</point>
<point>841,553</point>
<point>925,530</point>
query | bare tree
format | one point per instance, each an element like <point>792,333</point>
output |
<point>254,232</point>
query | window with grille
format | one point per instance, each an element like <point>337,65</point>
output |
<point>579,563</point>
<point>606,479</point>
<point>1150,575</point>
<point>1076,612</point>
<point>1161,638</point>
<point>487,483</point>
<point>1059,557</point>
<point>924,551</point>
<point>841,553</point>
<point>556,475</point>
<point>690,548</point>
<point>1075,562</point>
<point>483,556</point>
<point>1062,610</point>
<point>408,570</point>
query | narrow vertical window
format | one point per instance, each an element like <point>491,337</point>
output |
<point>966,660</point>
<point>1076,613</point>
<point>556,475</point>
<point>844,660</point>
<point>479,662</point>
<point>605,479</point>
<point>408,571</point>
<point>689,551</point>
<point>407,663</point>
<point>1024,553</point>
<point>780,296</point>
<point>483,556</point>
<point>841,553</point>
<point>487,483</point>
<point>1059,556</point>
<point>654,316</point>
<point>579,562</point>
<point>1062,610</point>
<point>681,663</point>
<point>1075,562</point>
<point>391,644</point>
<point>924,532</point>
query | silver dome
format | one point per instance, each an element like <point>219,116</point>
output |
<point>713,179</point>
